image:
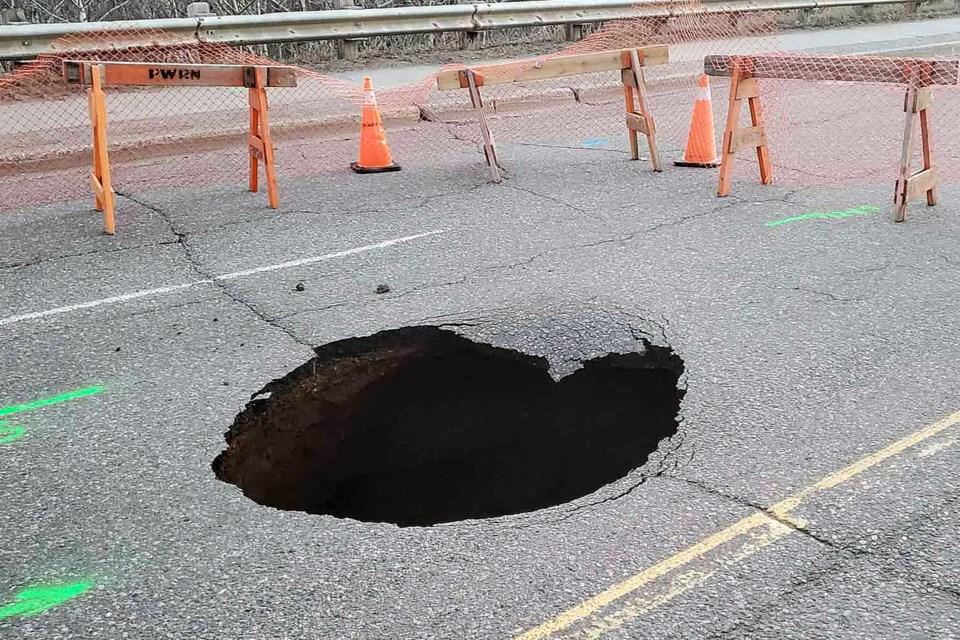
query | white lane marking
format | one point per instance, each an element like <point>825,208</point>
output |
<point>144,293</point>
<point>97,303</point>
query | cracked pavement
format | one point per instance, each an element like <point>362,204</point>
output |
<point>807,346</point>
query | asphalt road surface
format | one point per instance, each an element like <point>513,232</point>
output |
<point>811,490</point>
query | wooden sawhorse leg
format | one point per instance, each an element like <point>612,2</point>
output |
<point>489,150</point>
<point>261,146</point>
<point>639,118</point>
<point>100,178</point>
<point>909,186</point>
<point>735,138</point>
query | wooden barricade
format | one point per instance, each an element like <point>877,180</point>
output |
<point>918,76</point>
<point>629,62</point>
<point>257,79</point>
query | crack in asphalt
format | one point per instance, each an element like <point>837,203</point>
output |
<point>421,201</point>
<point>564,146</point>
<point>814,580</point>
<point>579,99</point>
<point>846,559</point>
<point>884,267</point>
<point>805,582</point>
<point>182,238</point>
<point>79,254</point>
<point>922,581</point>
<point>677,440</point>
<point>623,238</point>
<point>298,312</point>
<point>662,323</point>
<point>460,316</point>
<point>179,305</point>
<point>198,267</point>
<point>826,294</point>
<point>418,288</point>
<point>543,196</point>
<point>744,502</point>
<point>630,235</point>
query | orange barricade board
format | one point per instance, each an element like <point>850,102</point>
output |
<point>555,67</point>
<point>199,75</point>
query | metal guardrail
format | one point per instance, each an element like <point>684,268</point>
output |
<point>20,42</point>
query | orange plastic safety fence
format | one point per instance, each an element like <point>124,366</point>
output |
<point>195,136</point>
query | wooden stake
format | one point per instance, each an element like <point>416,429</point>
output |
<point>100,178</point>
<point>488,148</point>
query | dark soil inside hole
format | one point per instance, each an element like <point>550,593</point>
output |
<point>419,426</point>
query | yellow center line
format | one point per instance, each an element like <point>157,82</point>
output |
<point>650,599</point>
<point>631,584</point>
<point>778,514</point>
<point>872,460</point>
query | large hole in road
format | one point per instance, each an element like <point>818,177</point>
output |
<point>419,426</point>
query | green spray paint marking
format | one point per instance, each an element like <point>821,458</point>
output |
<point>46,402</point>
<point>818,215</point>
<point>35,600</point>
<point>9,434</point>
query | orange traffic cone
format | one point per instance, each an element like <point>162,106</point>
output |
<point>701,146</point>
<point>374,150</point>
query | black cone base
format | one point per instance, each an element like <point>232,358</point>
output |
<point>701,165</point>
<point>390,167</point>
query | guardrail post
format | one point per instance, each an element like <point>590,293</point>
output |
<point>806,17</point>
<point>199,10</point>
<point>347,48</point>
<point>15,16</point>
<point>574,32</point>
<point>471,40</point>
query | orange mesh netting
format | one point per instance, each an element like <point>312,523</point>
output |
<point>195,136</point>
<point>840,119</point>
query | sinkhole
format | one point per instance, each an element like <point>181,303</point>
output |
<point>418,426</point>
